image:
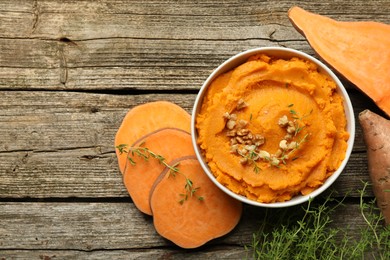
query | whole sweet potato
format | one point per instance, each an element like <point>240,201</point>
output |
<point>376,131</point>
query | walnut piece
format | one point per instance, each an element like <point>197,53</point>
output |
<point>241,104</point>
<point>283,121</point>
<point>230,124</point>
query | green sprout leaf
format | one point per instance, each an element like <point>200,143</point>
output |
<point>146,154</point>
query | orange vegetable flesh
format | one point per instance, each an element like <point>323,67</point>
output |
<point>360,51</point>
<point>147,118</point>
<point>261,83</point>
<point>194,222</point>
<point>139,178</point>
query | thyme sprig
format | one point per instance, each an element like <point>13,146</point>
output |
<point>145,153</point>
<point>190,192</point>
<point>284,156</point>
<point>253,156</point>
<point>246,144</point>
<point>308,233</point>
<point>297,119</point>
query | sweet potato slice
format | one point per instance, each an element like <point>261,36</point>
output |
<point>360,51</point>
<point>376,131</point>
<point>191,222</point>
<point>147,118</point>
<point>170,143</point>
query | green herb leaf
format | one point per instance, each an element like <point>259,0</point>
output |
<point>293,112</point>
<point>145,153</point>
<point>308,233</point>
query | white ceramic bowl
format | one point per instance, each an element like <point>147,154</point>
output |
<point>241,58</point>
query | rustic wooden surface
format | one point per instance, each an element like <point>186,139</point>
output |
<point>69,72</point>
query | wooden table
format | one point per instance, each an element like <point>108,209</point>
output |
<point>70,71</point>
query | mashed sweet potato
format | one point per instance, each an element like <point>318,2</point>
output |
<point>271,128</point>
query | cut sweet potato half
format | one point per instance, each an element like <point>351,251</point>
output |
<point>191,222</point>
<point>376,131</point>
<point>140,174</point>
<point>359,51</point>
<point>147,118</point>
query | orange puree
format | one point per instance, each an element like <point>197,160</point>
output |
<point>272,89</point>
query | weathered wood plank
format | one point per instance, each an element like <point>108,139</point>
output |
<point>41,121</point>
<point>50,121</point>
<point>212,252</point>
<point>143,45</point>
<point>98,226</point>
<point>60,144</point>
<point>120,64</point>
<point>115,64</point>
<point>92,174</point>
<point>150,19</point>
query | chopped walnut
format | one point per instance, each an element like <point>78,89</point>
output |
<point>242,123</point>
<point>230,124</point>
<point>246,144</point>
<point>283,144</point>
<point>242,132</point>
<point>291,129</point>
<point>242,151</point>
<point>278,153</point>
<point>250,148</point>
<point>231,133</point>
<point>283,121</point>
<point>259,140</point>
<point>241,104</point>
<point>240,140</point>
<point>264,154</point>
<point>233,117</point>
<point>275,161</point>
<point>243,160</point>
<point>292,145</point>
<point>246,138</point>
<point>233,148</point>
<point>226,115</point>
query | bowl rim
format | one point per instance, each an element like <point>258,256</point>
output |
<point>235,61</point>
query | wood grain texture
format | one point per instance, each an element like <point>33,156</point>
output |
<point>49,121</point>
<point>88,173</point>
<point>225,19</point>
<point>117,64</point>
<point>61,144</point>
<point>143,45</point>
<point>66,226</point>
<point>70,71</point>
<point>214,252</point>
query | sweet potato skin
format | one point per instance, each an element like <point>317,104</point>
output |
<point>146,118</point>
<point>194,222</point>
<point>376,131</point>
<point>139,178</point>
<point>359,51</point>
